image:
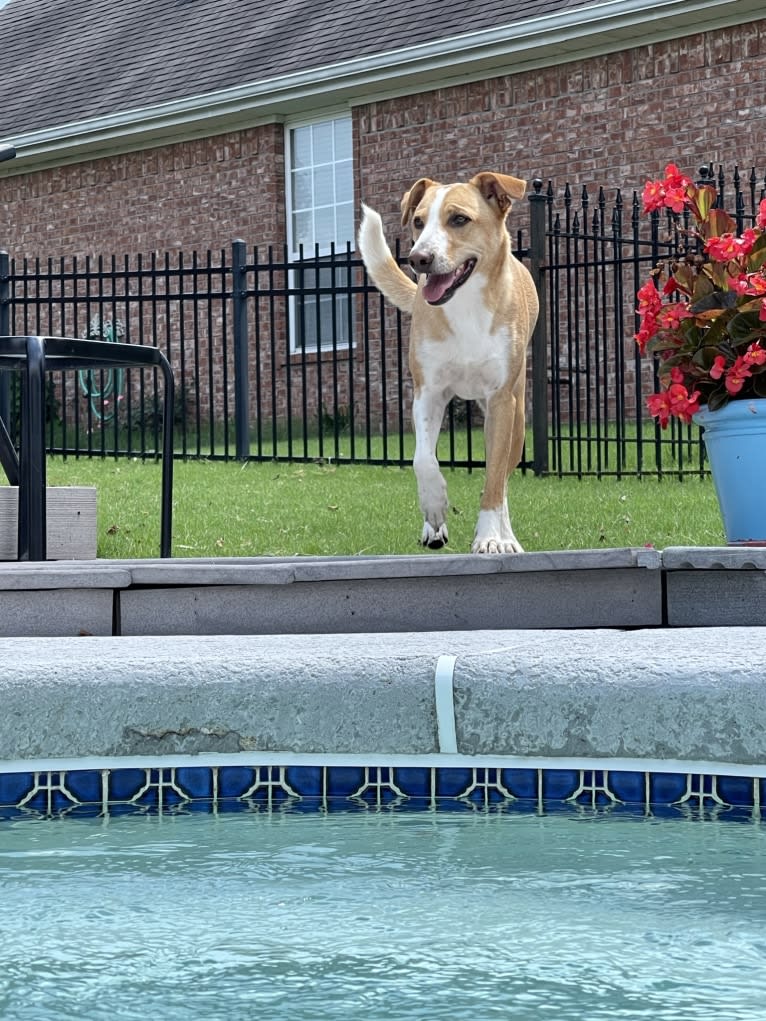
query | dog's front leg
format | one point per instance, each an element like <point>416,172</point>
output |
<point>504,441</point>
<point>427,414</point>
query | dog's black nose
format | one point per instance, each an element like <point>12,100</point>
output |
<point>421,262</point>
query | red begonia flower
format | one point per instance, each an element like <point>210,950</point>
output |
<point>755,354</point>
<point>729,246</point>
<point>682,403</point>
<point>645,334</point>
<point>649,302</point>
<point>675,198</point>
<point>736,375</point>
<point>659,407</point>
<point>718,367</point>
<point>675,178</point>
<point>654,196</point>
<point>672,314</point>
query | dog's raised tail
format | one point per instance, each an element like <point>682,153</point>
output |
<point>381,266</point>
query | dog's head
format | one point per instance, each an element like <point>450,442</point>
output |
<point>455,227</point>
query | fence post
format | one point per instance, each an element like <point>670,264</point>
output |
<point>5,329</point>
<point>537,209</point>
<point>241,349</point>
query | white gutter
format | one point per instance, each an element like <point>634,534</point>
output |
<point>568,35</point>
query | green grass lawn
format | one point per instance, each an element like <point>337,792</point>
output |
<point>255,509</point>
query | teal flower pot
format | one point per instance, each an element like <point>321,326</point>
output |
<point>735,440</point>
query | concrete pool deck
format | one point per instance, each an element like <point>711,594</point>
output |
<point>600,655</point>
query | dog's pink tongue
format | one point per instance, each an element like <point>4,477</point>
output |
<point>437,284</point>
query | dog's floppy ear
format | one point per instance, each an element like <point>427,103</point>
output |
<point>413,196</point>
<point>500,188</point>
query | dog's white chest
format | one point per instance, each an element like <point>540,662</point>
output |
<point>472,359</point>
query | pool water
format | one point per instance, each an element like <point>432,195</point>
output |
<point>382,915</point>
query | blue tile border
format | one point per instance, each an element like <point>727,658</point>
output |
<point>227,787</point>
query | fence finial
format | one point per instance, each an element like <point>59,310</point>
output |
<point>706,172</point>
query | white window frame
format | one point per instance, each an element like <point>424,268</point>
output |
<point>315,345</point>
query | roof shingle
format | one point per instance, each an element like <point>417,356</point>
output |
<point>66,61</point>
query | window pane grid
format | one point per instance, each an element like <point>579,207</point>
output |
<point>321,181</point>
<point>321,214</point>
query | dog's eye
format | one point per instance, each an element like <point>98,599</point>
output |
<point>458,220</point>
<point>417,223</point>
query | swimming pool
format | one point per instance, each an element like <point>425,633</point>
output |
<point>155,791</point>
<point>579,915</point>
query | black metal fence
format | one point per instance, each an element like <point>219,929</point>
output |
<point>599,251</point>
<point>278,358</point>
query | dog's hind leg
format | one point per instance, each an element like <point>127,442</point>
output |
<point>427,414</point>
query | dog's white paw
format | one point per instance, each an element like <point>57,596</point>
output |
<point>434,538</point>
<point>494,533</point>
<point>490,544</point>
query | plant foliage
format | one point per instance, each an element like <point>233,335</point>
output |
<point>703,311</point>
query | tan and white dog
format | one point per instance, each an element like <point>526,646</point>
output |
<point>473,311</point>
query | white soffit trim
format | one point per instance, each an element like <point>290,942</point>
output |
<point>571,34</point>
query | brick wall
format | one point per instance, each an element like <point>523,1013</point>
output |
<point>191,195</point>
<point>612,120</point>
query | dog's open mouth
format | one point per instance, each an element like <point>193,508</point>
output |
<point>439,287</point>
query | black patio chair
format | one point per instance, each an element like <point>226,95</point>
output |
<point>34,356</point>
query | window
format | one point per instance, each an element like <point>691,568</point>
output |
<point>320,215</point>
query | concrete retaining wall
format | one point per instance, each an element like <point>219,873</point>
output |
<point>343,595</point>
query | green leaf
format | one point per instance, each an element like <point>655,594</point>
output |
<point>720,223</point>
<point>717,399</point>
<point>684,276</point>
<point>705,356</point>
<point>713,300</point>
<point>670,362</point>
<point>719,274</point>
<point>757,255</point>
<point>705,197</point>
<point>701,287</point>
<point>753,305</point>
<point>744,327</point>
